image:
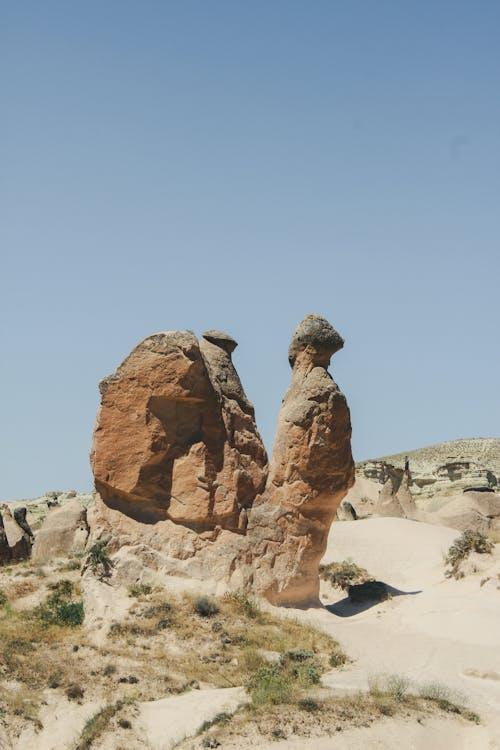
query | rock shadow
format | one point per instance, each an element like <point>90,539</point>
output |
<point>346,608</point>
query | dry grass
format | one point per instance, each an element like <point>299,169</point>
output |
<point>223,649</point>
<point>319,715</point>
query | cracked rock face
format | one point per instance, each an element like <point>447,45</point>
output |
<point>175,436</point>
<point>180,465</point>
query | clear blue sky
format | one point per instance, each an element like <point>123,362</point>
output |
<point>237,165</point>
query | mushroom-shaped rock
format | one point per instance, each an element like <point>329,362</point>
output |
<point>311,469</point>
<point>315,337</point>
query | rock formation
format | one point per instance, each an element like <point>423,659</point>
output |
<point>4,544</point>
<point>451,484</point>
<point>64,531</point>
<point>176,437</point>
<point>310,472</point>
<point>15,540</point>
<point>182,471</point>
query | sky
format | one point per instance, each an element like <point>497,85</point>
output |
<point>239,165</point>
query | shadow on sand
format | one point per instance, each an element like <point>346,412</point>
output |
<point>346,608</point>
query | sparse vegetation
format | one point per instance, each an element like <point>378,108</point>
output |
<point>60,608</point>
<point>205,607</point>
<point>3,598</point>
<point>344,574</point>
<point>98,560</point>
<point>95,726</point>
<point>74,692</point>
<point>140,589</point>
<point>278,683</point>
<point>469,541</point>
<point>393,685</point>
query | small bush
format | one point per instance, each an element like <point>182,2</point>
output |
<point>124,724</point>
<point>469,541</point>
<point>270,685</point>
<point>243,604</point>
<point>344,574</point>
<point>60,608</point>
<point>74,692</point>
<point>337,659</point>
<point>391,685</point>
<point>140,589</point>
<point>98,560</point>
<point>3,598</point>
<point>309,705</point>
<point>205,607</point>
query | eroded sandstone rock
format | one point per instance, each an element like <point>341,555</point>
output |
<point>175,436</point>
<point>181,469</point>
<point>18,539</point>
<point>64,531</point>
<point>310,472</point>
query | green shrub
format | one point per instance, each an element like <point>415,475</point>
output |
<point>270,684</point>
<point>337,659</point>
<point>98,560</point>
<point>60,608</point>
<point>308,704</point>
<point>469,541</point>
<point>344,574</point>
<point>205,607</point>
<point>3,598</point>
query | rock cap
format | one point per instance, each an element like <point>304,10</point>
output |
<point>219,338</point>
<point>317,333</point>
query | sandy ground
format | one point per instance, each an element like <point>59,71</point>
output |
<point>166,722</point>
<point>396,734</point>
<point>433,629</point>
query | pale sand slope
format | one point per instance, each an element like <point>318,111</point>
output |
<point>446,632</point>
<point>166,722</point>
<point>390,734</point>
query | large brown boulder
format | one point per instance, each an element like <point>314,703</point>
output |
<point>182,472</point>
<point>175,436</point>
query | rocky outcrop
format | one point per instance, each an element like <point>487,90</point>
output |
<point>64,531</point>
<point>15,540</point>
<point>169,444</point>
<point>182,471</point>
<point>4,544</point>
<point>451,484</point>
<point>441,470</point>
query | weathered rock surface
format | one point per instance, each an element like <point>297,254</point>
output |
<point>169,444</point>
<point>15,541</point>
<point>451,484</point>
<point>64,531</point>
<point>181,469</point>
<point>445,469</point>
<point>310,472</point>
<point>4,544</point>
